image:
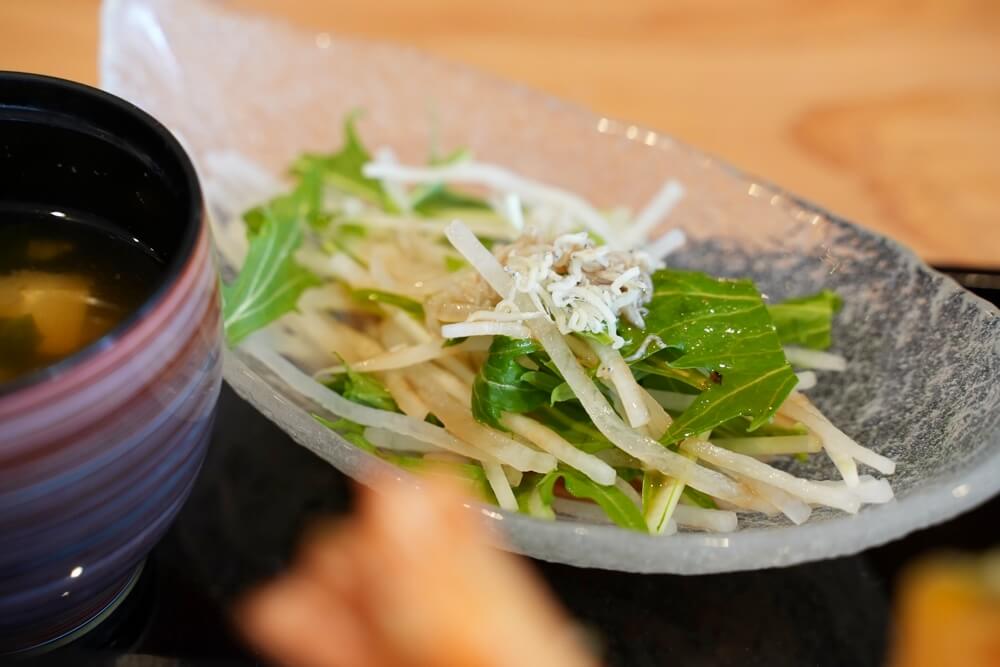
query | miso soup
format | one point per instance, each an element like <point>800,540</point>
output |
<point>65,281</point>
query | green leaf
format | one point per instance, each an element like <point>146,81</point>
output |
<point>720,326</point>
<point>500,385</point>
<point>437,199</point>
<point>560,393</point>
<point>542,380</point>
<point>604,338</point>
<point>363,388</point>
<point>304,203</point>
<point>619,508</point>
<point>343,169</point>
<point>453,264</point>
<point>414,308</point>
<point>806,320</point>
<point>270,282</point>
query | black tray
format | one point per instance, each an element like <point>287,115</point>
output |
<point>241,524</point>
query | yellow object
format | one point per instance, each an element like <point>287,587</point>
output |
<point>949,614</point>
<point>57,302</point>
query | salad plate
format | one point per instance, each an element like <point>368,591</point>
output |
<point>923,355</point>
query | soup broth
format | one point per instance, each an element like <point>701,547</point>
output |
<point>65,281</point>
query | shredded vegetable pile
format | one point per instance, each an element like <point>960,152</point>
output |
<point>460,319</point>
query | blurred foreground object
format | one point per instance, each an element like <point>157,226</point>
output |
<point>949,613</point>
<point>409,581</point>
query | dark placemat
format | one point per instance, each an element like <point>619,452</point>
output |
<point>258,490</point>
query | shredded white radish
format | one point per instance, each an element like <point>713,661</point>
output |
<point>549,441</point>
<point>466,329</point>
<point>396,359</point>
<point>807,380</point>
<point>869,489</point>
<point>500,180</point>
<point>787,504</point>
<point>801,357</point>
<point>362,414</point>
<point>655,212</point>
<point>754,469</point>
<point>666,244</point>
<point>498,316</point>
<point>501,486</point>
<point>700,518</point>
<point>620,376</point>
<point>385,439</point>
<point>456,368</point>
<point>405,397</point>
<point>659,420</point>
<point>515,477</point>
<point>798,407</point>
<point>458,420</point>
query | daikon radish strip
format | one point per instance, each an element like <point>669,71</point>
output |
<point>501,486</point>
<point>442,380</point>
<point>659,420</point>
<point>583,352</point>
<point>620,375</point>
<point>457,368</point>
<point>491,227</point>
<point>549,441</point>
<point>799,408</point>
<point>498,316</point>
<point>789,505</point>
<point>801,357</point>
<point>513,476</point>
<point>485,328</point>
<point>342,267</point>
<point>502,181</point>
<point>395,359</point>
<point>655,212</point>
<point>333,336</point>
<point>715,521</point>
<point>807,380</point>
<point>415,331</point>
<point>356,412</point>
<point>605,420</point>
<point>771,446</point>
<point>666,244</point>
<point>403,394</point>
<point>750,467</point>
<point>459,421</point>
<point>869,490</point>
<point>397,442</point>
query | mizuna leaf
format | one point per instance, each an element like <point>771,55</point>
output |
<point>721,326</point>
<point>270,282</point>
<point>500,385</point>
<point>806,320</point>
<point>619,507</point>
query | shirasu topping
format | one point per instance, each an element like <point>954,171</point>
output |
<point>581,286</point>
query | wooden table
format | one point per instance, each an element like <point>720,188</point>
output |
<point>886,112</point>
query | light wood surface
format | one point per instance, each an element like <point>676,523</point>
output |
<point>884,111</point>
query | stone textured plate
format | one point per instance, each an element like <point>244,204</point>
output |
<point>922,385</point>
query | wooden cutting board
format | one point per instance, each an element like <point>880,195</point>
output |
<point>886,112</point>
